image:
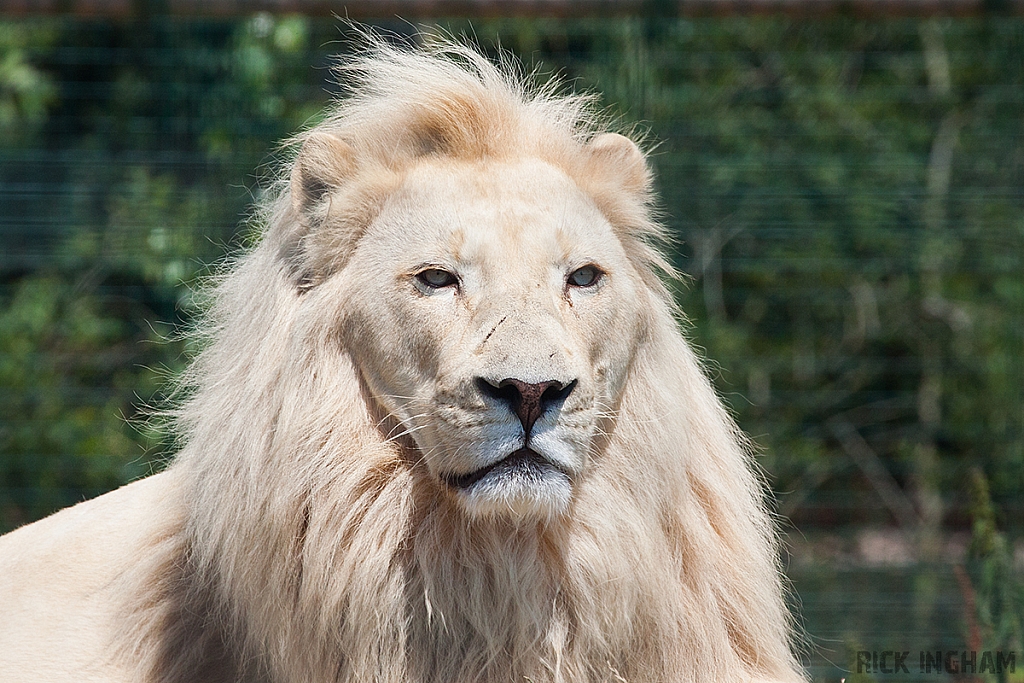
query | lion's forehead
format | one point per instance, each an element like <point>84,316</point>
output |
<point>512,213</point>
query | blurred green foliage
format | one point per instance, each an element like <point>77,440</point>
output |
<point>126,152</point>
<point>25,91</point>
<point>997,620</point>
<point>846,194</point>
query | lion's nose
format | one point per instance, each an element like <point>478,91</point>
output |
<point>528,401</point>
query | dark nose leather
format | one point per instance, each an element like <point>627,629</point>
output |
<point>528,401</point>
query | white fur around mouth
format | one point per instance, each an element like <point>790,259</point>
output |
<point>524,465</point>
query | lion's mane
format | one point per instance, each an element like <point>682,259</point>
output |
<point>312,547</point>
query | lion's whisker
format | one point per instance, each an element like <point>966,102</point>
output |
<point>411,430</point>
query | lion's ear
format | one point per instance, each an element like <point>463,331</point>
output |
<point>324,163</point>
<point>617,154</point>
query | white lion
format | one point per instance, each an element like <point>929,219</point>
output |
<point>445,430</point>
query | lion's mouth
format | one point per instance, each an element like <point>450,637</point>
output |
<point>524,463</point>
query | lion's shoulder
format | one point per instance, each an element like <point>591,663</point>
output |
<point>60,580</point>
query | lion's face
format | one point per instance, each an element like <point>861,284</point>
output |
<point>495,314</point>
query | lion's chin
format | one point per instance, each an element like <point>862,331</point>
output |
<point>525,485</point>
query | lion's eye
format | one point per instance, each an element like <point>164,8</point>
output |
<point>587,276</point>
<point>435,278</point>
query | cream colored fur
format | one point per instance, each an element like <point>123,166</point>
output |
<point>306,532</point>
